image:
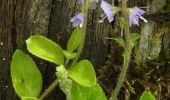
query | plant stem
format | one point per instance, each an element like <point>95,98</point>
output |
<point>85,13</point>
<point>127,51</point>
<point>49,89</point>
<point>113,1</point>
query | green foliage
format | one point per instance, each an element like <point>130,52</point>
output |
<point>75,40</point>
<point>26,77</point>
<point>45,49</point>
<point>147,96</point>
<point>69,55</point>
<point>120,41</point>
<point>79,92</point>
<point>134,38</point>
<point>83,73</point>
<point>28,98</point>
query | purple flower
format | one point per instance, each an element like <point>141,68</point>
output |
<point>135,15</point>
<point>107,10</point>
<point>77,20</point>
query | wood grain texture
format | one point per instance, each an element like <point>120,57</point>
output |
<point>18,20</point>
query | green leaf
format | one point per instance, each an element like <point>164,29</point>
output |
<point>83,73</point>
<point>69,55</point>
<point>79,92</point>
<point>26,77</point>
<point>134,38</point>
<point>75,40</point>
<point>29,98</point>
<point>120,41</point>
<point>147,96</point>
<point>45,49</point>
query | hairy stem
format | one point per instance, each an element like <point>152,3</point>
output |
<point>127,51</point>
<point>48,90</point>
<point>85,13</point>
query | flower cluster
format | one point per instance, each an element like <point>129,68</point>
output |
<point>109,11</point>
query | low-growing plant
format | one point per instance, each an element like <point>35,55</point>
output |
<point>76,78</point>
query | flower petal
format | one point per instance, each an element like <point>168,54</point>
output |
<point>107,10</point>
<point>135,15</point>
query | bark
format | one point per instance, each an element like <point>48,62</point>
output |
<point>152,33</point>
<point>18,20</point>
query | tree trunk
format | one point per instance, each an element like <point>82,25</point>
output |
<point>152,33</point>
<point>18,20</point>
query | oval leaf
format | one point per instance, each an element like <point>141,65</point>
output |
<point>147,96</point>
<point>74,40</point>
<point>83,73</point>
<point>45,49</point>
<point>79,92</point>
<point>26,77</point>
